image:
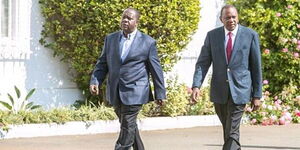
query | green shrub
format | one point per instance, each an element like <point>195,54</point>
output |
<point>178,102</point>
<point>75,29</point>
<point>57,115</point>
<point>278,24</point>
<point>177,98</point>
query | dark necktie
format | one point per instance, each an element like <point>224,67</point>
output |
<point>229,47</point>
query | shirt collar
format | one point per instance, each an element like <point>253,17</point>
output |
<point>131,35</point>
<point>233,32</point>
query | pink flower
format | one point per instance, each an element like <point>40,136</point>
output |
<point>298,42</point>
<point>277,105</point>
<point>276,97</point>
<point>289,6</point>
<point>282,121</point>
<point>265,82</point>
<point>265,122</point>
<point>287,116</point>
<point>298,25</point>
<point>296,55</point>
<point>267,51</point>
<point>278,14</point>
<point>253,121</point>
<point>297,113</point>
<point>284,50</point>
<point>298,47</point>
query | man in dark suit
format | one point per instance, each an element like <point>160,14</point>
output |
<point>128,58</point>
<point>234,52</point>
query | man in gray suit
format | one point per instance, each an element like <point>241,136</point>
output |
<point>234,52</point>
<point>128,58</point>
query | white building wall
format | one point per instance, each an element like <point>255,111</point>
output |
<point>210,10</point>
<point>27,64</point>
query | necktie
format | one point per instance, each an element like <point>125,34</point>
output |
<point>229,46</point>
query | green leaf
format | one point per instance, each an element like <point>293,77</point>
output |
<point>35,107</point>
<point>17,92</point>
<point>11,99</point>
<point>6,105</point>
<point>30,94</point>
<point>29,105</point>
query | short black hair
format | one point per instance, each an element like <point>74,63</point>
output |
<point>226,7</point>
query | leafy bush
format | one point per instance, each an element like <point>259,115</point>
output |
<point>177,99</point>
<point>278,24</point>
<point>58,115</point>
<point>75,29</point>
<point>178,102</point>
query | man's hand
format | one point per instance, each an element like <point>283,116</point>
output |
<point>255,104</point>
<point>159,102</point>
<point>94,89</point>
<point>195,95</point>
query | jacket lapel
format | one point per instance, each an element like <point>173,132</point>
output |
<point>237,43</point>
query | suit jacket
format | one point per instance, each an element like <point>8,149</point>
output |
<point>129,80</point>
<point>242,76</point>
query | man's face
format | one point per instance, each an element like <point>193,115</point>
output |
<point>230,18</point>
<point>129,21</point>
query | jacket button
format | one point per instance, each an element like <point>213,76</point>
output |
<point>228,69</point>
<point>227,81</point>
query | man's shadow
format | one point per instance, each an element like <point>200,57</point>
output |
<point>258,147</point>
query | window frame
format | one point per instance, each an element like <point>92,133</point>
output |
<point>12,22</point>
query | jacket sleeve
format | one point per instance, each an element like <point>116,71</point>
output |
<point>101,68</point>
<point>156,73</point>
<point>255,66</point>
<point>203,63</point>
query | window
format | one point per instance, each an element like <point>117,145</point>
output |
<point>7,17</point>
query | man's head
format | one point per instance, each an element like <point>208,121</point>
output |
<point>229,17</point>
<point>130,19</point>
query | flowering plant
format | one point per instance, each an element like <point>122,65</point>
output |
<point>278,110</point>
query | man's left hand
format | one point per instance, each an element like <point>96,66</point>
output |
<point>159,102</point>
<point>255,104</point>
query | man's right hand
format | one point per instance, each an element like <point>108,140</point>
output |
<point>195,94</point>
<point>94,89</point>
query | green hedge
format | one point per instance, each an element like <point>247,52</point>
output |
<point>75,29</point>
<point>278,24</point>
<point>58,115</point>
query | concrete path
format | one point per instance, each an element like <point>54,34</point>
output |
<point>200,138</point>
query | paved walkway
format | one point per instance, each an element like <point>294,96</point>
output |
<point>199,138</point>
